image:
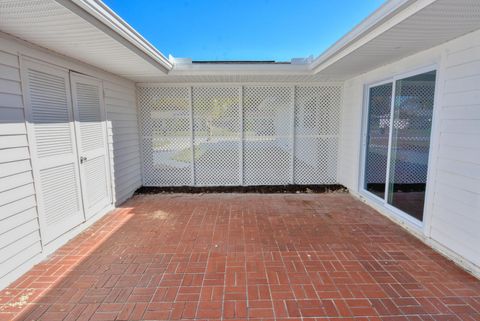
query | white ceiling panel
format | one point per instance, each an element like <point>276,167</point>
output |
<point>51,25</point>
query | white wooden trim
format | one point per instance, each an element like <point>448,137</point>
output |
<point>192,137</point>
<point>242,135</point>
<point>292,129</point>
<point>234,84</point>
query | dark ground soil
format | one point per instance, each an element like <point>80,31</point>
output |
<point>244,189</point>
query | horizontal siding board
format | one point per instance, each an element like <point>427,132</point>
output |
<point>442,233</point>
<point>13,154</point>
<point>10,251</point>
<point>11,168</point>
<point>459,168</point>
<point>10,87</point>
<point>13,142</point>
<point>463,70</point>
<point>459,224</point>
<point>9,115</point>
<point>116,102</point>
<point>126,152</point>
<point>471,112</point>
<point>462,154</point>
<point>123,130</point>
<point>13,181</point>
<point>124,94</point>
<point>466,126</point>
<point>123,107</point>
<point>128,176</point>
<point>12,222</point>
<point>466,201</point>
<point>17,206</point>
<point>10,101</point>
<point>120,115</point>
<point>19,231</point>
<point>9,73</point>
<point>15,194</point>
<point>461,182</point>
<point>461,140</point>
<point>462,98</point>
<point>8,59</point>
<point>128,163</point>
<point>464,56</point>
<point>12,129</point>
<point>23,256</point>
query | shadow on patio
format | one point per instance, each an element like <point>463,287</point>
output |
<point>244,256</point>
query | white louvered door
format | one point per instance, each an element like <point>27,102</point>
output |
<point>87,97</point>
<point>52,142</point>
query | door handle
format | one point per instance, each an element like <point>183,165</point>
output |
<point>83,159</point>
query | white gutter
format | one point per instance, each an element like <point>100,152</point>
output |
<point>97,13</point>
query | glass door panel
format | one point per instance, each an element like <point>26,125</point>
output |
<point>410,143</point>
<point>378,130</point>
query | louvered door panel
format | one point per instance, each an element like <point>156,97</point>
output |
<point>50,125</point>
<point>91,137</point>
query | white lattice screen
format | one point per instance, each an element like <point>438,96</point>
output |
<point>208,135</point>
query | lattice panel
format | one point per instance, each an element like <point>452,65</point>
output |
<point>217,135</point>
<point>268,135</point>
<point>317,114</point>
<point>265,116</point>
<point>167,136</point>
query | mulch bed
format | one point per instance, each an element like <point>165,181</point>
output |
<point>298,189</point>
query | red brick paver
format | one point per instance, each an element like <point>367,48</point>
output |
<point>239,257</point>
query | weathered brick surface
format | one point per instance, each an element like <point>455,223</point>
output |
<point>244,256</point>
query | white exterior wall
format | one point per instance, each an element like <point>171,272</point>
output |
<point>452,217</point>
<point>123,139</point>
<point>20,240</point>
<point>19,230</point>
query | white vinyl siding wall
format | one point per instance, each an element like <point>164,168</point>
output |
<point>123,139</point>
<point>452,217</point>
<point>19,228</point>
<point>20,238</point>
<point>455,220</point>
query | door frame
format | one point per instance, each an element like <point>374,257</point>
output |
<point>25,62</point>
<point>383,202</point>
<point>71,75</point>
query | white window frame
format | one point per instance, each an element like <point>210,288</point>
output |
<point>383,202</point>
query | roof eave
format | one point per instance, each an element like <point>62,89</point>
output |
<point>227,68</point>
<point>387,16</point>
<point>105,19</point>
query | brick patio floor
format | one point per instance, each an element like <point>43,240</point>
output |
<point>295,257</point>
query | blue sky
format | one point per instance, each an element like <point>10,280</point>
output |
<point>243,29</point>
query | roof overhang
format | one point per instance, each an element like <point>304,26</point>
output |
<point>86,30</point>
<point>399,28</point>
<point>89,31</point>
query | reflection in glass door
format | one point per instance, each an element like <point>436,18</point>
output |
<point>378,131</point>
<point>398,142</point>
<point>410,143</point>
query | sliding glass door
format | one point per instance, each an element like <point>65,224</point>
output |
<point>397,142</point>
